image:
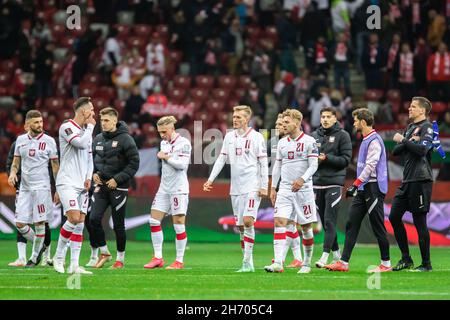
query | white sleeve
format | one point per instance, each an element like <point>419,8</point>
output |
<point>90,168</point>
<point>220,161</point>
<point>53,149</point>
<point>77,141</point>
<point>263,164</point>
<point>182,157</point>
<point>276,171</point>
<point>313,163</point>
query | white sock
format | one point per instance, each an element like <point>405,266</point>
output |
<point>121,256</point>
<point>157,237</point>
<point>180,241</point>
<point>337,255</point>
<point>386,263</point>
<point>288,243</point>
<point>241,237</point>
<point>308,245</point>
<point>38,241</point>
<point>94,253</point>
<point>22,250</point>
<point>104,250</point>
<point>48,251</point>
<point>295,246</point>
<point>76,241</point>
<point>324,257</point>
<point>249,242</point>
<point>64,236</point>
<point>27,232</point>
<point>279,243</point>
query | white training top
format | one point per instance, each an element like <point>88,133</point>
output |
<point>35,154</point>
<point>75,144</point>
<point>174,178</point>
<point>247,155</point>
<point>296,158</point>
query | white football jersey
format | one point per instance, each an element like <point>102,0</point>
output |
<point>174,178</point>
<point>75,145</point>
<point>35,154</point>
<point>297,159</point>
<point>247,155</point>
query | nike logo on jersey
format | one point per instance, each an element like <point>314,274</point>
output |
<point>334,193</point>
<point>117,197</point>
<point>367,199</point>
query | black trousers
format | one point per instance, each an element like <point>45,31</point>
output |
<point>414,197</point>
<point>327,201</point>
<point>370,201</point>
<point>102,198</point>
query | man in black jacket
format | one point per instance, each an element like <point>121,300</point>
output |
<point>335,149</point>
<point>116,161</point>
<point>414,194</point>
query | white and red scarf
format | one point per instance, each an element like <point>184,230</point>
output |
<point>373,53</point>
<point>406,69</point>
<point>441,64</point>
<point>320,54</point>
<point>341,52</point>
<point>393,50</point>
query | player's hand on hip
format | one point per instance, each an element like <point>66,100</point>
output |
<point>262,193</point>
<point>12,180</point>
<point>97,179</point>
<point>398,137</point>
<point>111,183</point>
<point>207,187</point>
<point>297,185</point>
<point>56,198</point>
<point>87,184</point>
<point>273,196</point>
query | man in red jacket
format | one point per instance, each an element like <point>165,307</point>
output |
<point>438,74</point>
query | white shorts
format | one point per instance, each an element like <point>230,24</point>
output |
<point>33,206</point>
<point>172,204</point>
<point>73,199</point>
<point>297,206</point>
<point>245,205</point>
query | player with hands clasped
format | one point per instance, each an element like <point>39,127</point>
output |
<point>296,162</point>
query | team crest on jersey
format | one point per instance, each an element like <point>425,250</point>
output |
<point>430,131</point>
<point>291,155</point>
<point>68,131</point>
<point>239,151</point>
<point>114,144</point>
<point>32,152</point>
<point>332,139</point>
<point>72,203</point>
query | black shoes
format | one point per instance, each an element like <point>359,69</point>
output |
<point>423,268</point>
<point>404,264</point>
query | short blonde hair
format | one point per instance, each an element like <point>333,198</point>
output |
<point>166,120</point>
<point>280,116</point>
<point>246,109</point>
<point>294,114</point>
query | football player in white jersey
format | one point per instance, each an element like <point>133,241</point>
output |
<point>246,151</point>
<point>296,163</point>
<point>172,197</point>
<point>292,235</point>
<point>74,180</point>
<point>34,205</point>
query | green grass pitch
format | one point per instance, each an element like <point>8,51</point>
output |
<point>210,274</point>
